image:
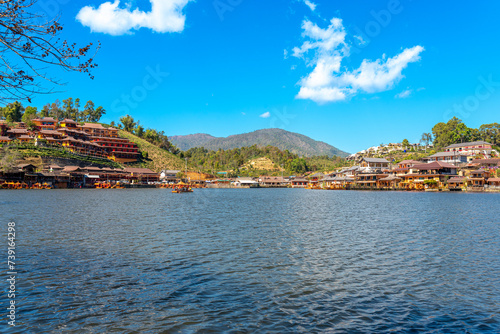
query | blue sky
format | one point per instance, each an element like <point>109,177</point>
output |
<point>351,73</point>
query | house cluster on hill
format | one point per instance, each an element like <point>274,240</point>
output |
<point>90,139</point>
<point>378,173</point>
<point>456,153</point>
<point>387,148</point>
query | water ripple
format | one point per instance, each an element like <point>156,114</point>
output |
<point>270,260</point>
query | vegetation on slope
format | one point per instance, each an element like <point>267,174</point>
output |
<point>237,161</point>
<point>154,157</point>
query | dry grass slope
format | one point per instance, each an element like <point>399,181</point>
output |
<point>158,158</point>
<point>262,163</point>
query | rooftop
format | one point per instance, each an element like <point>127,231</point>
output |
<point>390,178</point>
<point>409,162</point>
<point>434,165</point>
<point>473,143</point>
<point>46,119</point>
<point>456,179</point>
<point>69,121</point>
<point>486,161</point>
<point>139,170</point>
<point>445,154</point>
<point>376,160</point>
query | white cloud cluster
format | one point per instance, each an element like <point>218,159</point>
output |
<point>324,50</point>
<point>404,94</point>
<point>110,18</point>
<point>310,4</point>
<point>267,114</point>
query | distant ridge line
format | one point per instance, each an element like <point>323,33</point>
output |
<point>282,139</point>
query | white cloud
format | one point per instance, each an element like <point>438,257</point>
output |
<point>324,50</point>
<point>404,94</point>
<point>322,94</point>
<point>360,39</point>
<point>267,114</point>
<point>310,4</point>
<point>110,18</point>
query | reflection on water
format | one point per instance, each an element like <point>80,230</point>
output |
<point>258,260</point>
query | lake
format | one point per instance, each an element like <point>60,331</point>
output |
<point>253,260</point>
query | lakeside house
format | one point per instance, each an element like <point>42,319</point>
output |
<point>76,176</point>
<point>374,163</point>
<point>451,157</point>
<point>494,183</point>
<point>479,178</point>
<point>403,168</point>
<point>369,178</point>
<point>272,181</point>
<point>471,148</point>
<point>299,182</point>
<point>246,182</point>
<point>389,182</point>
<point>169,175</point>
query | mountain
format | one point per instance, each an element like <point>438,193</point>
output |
<point>284,140</point>
<point>186,142</point>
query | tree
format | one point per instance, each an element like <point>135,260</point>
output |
<point>460,133</point>
<point>452,132</point>
<point>29,114</point>
<point>76,111</point>
<point>90,114</point>
<point>128,123</point>
<point>426,138</point>
<point>441,135</point>
<point>298,165</point>
<point>55,110</point>
<point>70,108</point>
<point>88,111</point>
<point>139,131</point>
<point>29,44</point>
<point>490,133</point>
<point>98,114</point>
<point>45,112</point>
<point>9,160</point>
<point>405,143</point>
<point>13,112</point>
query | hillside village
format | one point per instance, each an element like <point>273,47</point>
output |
<point>470,166</point>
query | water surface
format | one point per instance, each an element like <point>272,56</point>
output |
<point>256,260</point>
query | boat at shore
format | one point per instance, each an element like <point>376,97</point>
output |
<point>182,188</point>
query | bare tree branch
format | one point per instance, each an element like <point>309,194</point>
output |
<point>28,48</point>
